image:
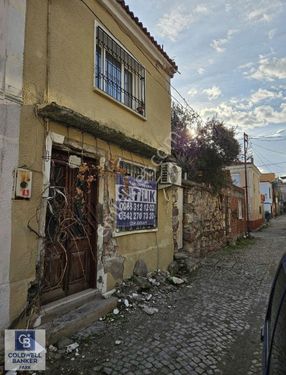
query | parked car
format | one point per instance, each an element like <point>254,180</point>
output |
<point>274,330</point>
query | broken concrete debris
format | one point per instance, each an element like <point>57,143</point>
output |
<point>149,310</point>
<point>142,282</point>
<point>176,280</point>
<point>63,343</point>
<point>140,268</point>
<point>70,348</point>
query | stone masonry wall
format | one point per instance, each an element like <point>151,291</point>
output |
<point>204,220</point>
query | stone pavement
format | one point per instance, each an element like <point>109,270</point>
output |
<point>209,325</point>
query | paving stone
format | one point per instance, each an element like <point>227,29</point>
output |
<point>214,328</point>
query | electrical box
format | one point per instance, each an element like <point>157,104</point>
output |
<point>23,184</point>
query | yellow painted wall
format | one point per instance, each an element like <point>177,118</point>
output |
<point>253,177</point>
<point>60,68</point>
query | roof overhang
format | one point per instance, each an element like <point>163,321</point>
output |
<point>71,118</point>
<point>139,33</point>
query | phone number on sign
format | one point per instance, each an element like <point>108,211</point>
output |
<point>141,207</point>
<point>136,215</point>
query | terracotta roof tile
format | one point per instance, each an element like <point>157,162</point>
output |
<point>144,29</point>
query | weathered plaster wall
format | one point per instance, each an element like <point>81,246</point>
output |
<point>58,67</point>
<point>12,27</point>
<point>71,43</point>
<point>237,214</point>
<point>254,197</point>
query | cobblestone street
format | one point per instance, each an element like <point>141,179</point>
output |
<point>209,325</point>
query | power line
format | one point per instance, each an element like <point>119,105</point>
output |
<point>268,149</point>
<point>269,139</point>
<point>264,165</point>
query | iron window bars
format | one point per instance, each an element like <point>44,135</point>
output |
<point>118,74</point>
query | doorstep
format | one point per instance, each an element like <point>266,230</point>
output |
<point>64,318</point>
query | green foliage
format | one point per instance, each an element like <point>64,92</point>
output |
<point>203,150</point>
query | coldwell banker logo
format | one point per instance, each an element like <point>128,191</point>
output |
<point>24,340</point>
<point>25,349</point>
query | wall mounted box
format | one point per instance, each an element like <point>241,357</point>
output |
<point>23,184</point>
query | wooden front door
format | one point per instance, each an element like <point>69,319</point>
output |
<point>70,247</point>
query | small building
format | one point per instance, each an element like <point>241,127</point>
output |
<point>266,189</point>
<point>254,209</point>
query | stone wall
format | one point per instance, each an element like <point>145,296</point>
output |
<point>204,219</point>
<point>210,220</point>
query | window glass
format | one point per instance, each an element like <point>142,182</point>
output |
<point>98,75</point>
<point>128,88</point>
<point>235,179</point>
<point>113,77</point>
<point>278,351</point>
<point>277,294</point>
<point>118,73</point>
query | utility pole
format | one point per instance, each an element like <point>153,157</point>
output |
<point>245,148</point>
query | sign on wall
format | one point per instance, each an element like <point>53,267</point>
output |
<point>136,203</point>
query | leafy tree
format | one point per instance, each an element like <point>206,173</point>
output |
<point>202,150</point>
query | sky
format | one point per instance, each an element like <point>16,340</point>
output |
<point>232,65</point>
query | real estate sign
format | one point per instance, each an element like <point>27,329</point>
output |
<point>136,203</point>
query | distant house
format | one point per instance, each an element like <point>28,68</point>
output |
<point>266,189</point>
<point>255,209</point>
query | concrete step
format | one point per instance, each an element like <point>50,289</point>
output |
<point>53,309</point>
<point>77,319</point>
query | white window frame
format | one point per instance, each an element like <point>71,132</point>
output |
<point>135,89</point>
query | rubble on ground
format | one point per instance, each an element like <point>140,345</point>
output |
<point>146,293</point>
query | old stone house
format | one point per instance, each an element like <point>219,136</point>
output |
<point>93,116</point>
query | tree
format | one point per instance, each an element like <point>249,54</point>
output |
<point>202,150</point>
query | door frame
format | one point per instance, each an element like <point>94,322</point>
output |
<point>60,142</point>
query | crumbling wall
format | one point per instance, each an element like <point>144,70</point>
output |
<point>204,221</point>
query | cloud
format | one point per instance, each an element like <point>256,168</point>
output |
<point>263,10</point>
<point>262,94</point>
<point>179,19</point>
<point>201,9</point>
<point>201,71</point>
<point>219,44</point>
<point>173,23</point>
<point>213,92</point>
<point>258,15</point>
<point>268,69</point>
<point>259,116</point>
<point>192,92</point>
<point>271,33</point>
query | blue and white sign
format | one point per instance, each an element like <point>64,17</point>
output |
<point>25,349</point>
<point>136,203</point>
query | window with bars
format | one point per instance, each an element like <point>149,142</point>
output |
<point>118,74</point>
<point>137,171</point>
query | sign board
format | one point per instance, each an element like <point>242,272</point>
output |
<point>136,203</point>
<point>25,349</point>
